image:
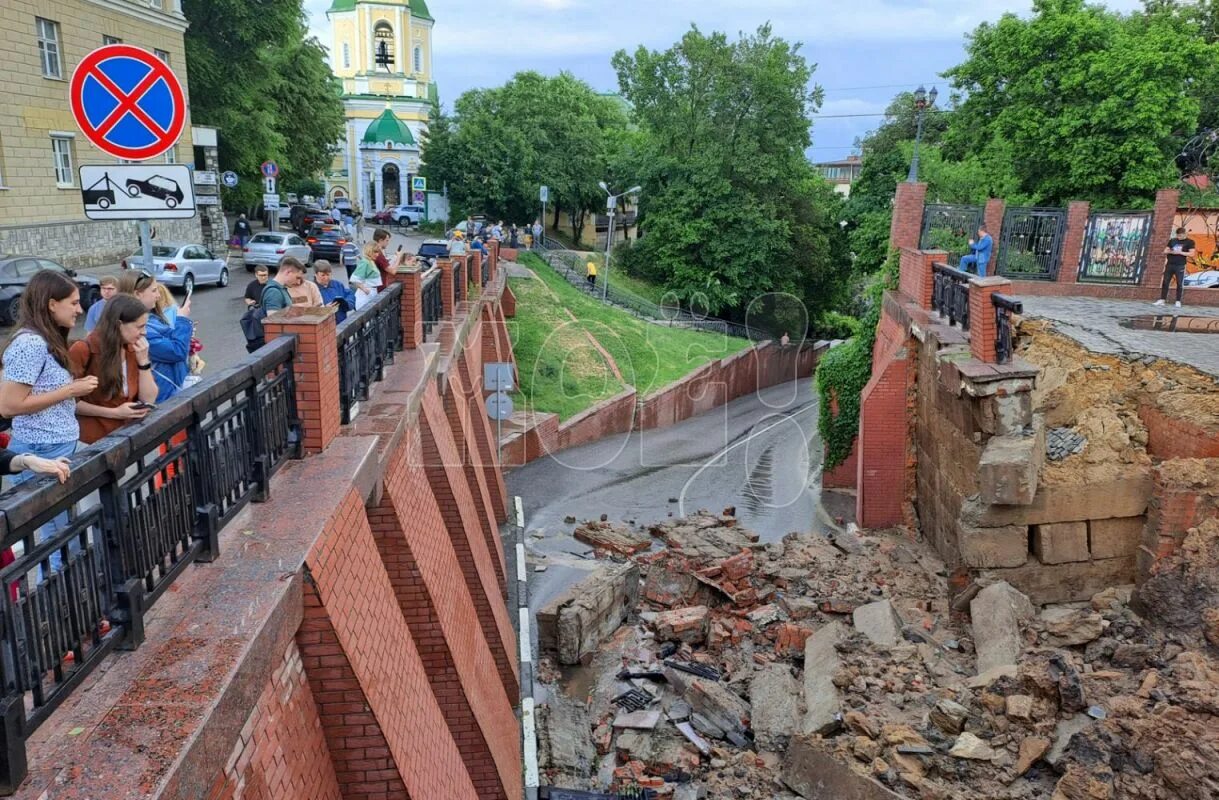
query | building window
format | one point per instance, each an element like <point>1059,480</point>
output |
<point>111,40</point>
<point>161,54</point>
<point>61,152</point>
<point>171,155</point>
<point>48,48</point>
<point>418,60</point>
<point>346,56</point>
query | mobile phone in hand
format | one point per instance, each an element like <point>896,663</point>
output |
<point>399,248</point>
<point>143,404</point>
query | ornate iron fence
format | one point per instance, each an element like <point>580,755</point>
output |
<point>93,555</point>
<point>433,306</point>
<point>1031,243</point>
<point>949,228</point>
<point>1115,247</point>
<point>1004,336</point>
<point>367,341</point>
<point>950,294</point>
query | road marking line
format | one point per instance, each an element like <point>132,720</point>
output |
<point>521,575</point>
<point>528,723</point>
<point>681,498</point>
<point>526,650</point>
<point>529,734</point>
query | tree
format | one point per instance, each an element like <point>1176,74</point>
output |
<point>259,78</point>
<point>1091,104</point>
<point>731,207</point>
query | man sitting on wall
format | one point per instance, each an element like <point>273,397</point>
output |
<point>979,256</point>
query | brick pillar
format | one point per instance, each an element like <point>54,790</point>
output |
<point>446,286</point>
<point>1162,221</point>
<point>1078,212</point>
<point>316,370</point>
<point>475,277</point>
<point>982,324</point>
<point>992,218</point>
<point>917,278</point>
<point>907,224</point>
<point>494,261</point>
<point>412,306</point>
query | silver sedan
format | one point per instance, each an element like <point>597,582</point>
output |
<point>182,266</point>
<point>268,249</point>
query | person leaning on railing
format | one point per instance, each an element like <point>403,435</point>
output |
<point>117,353</point>
<point>169,332</point>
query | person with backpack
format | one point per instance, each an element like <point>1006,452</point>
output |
<point>169,332</point>
<point>274,297</point>
<point>116,352</point>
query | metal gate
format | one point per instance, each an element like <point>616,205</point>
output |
<point>1115,247</point>
<point>949,227</point>
<point>1031,244</point>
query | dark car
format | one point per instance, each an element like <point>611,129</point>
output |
<point>328,242</point>
<point>159,187</point>
<point>15,273</point>
<point>433,249</point>
<point>304,217</point>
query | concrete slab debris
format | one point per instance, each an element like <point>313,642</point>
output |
<point>997,613</point>
<point>574,623</point>
<point>821,664</point>
<point>879,622</point>
<point>816,775</point>
<point>774,700</point>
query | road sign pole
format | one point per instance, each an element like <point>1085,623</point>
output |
<point>543,241</point>
<point>146,245</point>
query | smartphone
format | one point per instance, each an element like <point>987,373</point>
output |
<point>399,248</point>
<point>142,404</point>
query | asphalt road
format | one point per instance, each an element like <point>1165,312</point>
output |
<point>216,311</point>
<point>760,453</point>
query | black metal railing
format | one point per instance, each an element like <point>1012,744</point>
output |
<point>1115,247</point>
<point>949,228</point>
<point>1030,246</point>
<point>459,280</point>
<point>433,306</point>
<point>950,294</point>
<point>91,556</point>
<point>367,341</point>
<point>1004,339</point>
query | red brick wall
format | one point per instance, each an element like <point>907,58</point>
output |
<point>1150,290</point>
<point>350,590</point>
<point>444,624</point>
<point>992,217</point>
<point>1185,493</point>
<point>443,467</point>
<point>1073,240</point>
<point>884,468</point>
<point>1175,437</point>
<point>1162,220</point>
<point>609,417</point>
<point>907,223</point>
<point>845,475</point>
<point>281,753</point>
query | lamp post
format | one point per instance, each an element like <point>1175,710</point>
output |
<point>922,101</point>
<point>611,204</point>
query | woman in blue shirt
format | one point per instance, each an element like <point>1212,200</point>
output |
<point>168,335</point>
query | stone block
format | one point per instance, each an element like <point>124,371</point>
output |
<point>996,615</point>
<point>1061,542</point>
<point>774,700</point>
<point>1004,414</point>
<point>821,662</point>
<point>714,702</point>
<point>1124,497</point>
<point>980,548</point>
<point>879,622</point>
<point>1074,582</point>
<point>1009,469</point>
<point>687,625</point>
<point>1114,538</point>
<point>575,622</point>
<point>814,774</point>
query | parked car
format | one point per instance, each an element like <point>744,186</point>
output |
<point>343,205</point>
<point>328,242</point>
<point>407,215</point>
<point>268,249</point>
<point>303,217</point>
<point>383,217</point>
<point>1207,279</point>
<point>157,186</point>
<point>15,273</point>
<point>479,223</point>
<point>182,266</point>
<point>432,249</point>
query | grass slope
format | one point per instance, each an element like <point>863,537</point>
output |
<point>560,369</point>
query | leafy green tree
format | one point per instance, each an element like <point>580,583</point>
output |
<point>258,77</point>
<point>731,207</point>
<point>1091,104</point>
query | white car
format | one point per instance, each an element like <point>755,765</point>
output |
<point>1207,279</point>
<point>268,249</point>
<point>407,215</point>
<point>182,266</point>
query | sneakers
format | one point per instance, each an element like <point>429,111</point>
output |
<point>1158,303</point>
<point>1177,304</point>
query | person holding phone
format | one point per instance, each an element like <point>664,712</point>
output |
<point>116,352</point>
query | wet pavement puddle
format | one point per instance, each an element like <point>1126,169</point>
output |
<point>1166,323</point>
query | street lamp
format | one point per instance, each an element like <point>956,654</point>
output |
<point>922,101</point>
<point>611,204</point>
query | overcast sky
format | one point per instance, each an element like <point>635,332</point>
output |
<point>865,50</point>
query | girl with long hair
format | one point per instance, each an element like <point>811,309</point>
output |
<point>365,280</point>
<point>169,332</point>
<point>117,353</point>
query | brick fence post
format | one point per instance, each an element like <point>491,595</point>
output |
<point>446,286</point>
<point>992,218</point>
<point>983,327</point>
<point>475,274</point>
<point>412,306</point>
<point>494,257</point>
<point>1078,212</point>
<point>917,279</point>
<point>316,370</point>
<point>1162,221</point>
<point>907,225</point>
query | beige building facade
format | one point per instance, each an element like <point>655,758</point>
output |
<point>41,148</point>
<point>382,52</point>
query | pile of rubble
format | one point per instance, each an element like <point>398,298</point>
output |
<point>837,667</point>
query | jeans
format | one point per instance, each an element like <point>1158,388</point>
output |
<point>971,260</point>
<point>60,522</point>
<point>1169,273</point>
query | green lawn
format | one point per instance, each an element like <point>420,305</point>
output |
<point>561,371</point>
